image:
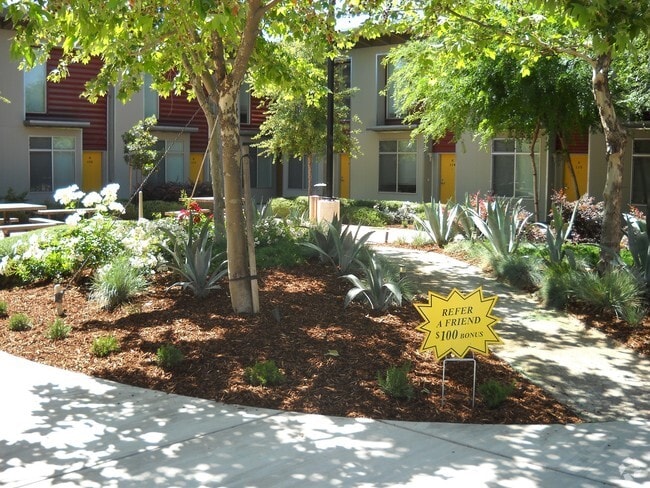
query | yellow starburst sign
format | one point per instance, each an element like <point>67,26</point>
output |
<point>458,323</point>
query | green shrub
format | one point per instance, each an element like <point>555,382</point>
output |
<point>617,291</point>
<point>395,383</point>
<point>518,270</point>
<point>287,207</point>
<point>557,284</point>
<point>105,345</point>
<point>283,254</point>
<point>4,309</point>
<point>168,356</point>
<point>263,373</point>
<point>494,393</point>
<point>363,216</point>
<point>19,322</point>
<point>58,330</point>
<point>117,283</point>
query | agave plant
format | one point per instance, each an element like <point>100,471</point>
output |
<point>339,247</point>
<point>503,225</point>
<point>557,234</point>
<point>440,224</point>
<point>638,242</point>
<point>194,261</point>
<point>380,287</point>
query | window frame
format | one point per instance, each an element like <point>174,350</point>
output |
<point>638,155</point>
<point>41,70</point>
<point>52,150</point>
<point>517,151</point>
<point>397,153</point>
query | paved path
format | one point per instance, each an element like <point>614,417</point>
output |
<point>59,428</point>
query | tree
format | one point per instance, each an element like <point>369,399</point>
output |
<point>595,32</point>
<point>203,48</point>
<point>489,97</point>
<point>140,147</point>
<point>296,121</point>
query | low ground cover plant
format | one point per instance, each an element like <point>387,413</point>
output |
<point>105,345</point>
<point>494,392</point>
<point>395,383</point>
<point>19,322</point>
<point>264,373</point>
<point>58,330</point>
<point>169,357</point>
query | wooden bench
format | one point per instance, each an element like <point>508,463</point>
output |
<point>33,224</point>
<point>55,212</point>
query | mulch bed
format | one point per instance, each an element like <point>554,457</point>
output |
<point>330,356</point>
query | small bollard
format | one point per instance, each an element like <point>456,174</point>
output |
<point>58,299</point>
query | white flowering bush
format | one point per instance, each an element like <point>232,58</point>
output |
<point>270,231</point>
<point>60,251</point>
<point>102,203</point>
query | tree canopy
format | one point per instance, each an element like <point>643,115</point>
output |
<point>203,48</point>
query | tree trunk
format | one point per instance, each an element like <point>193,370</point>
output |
<point>216,175</point>
<point>238,271</point>
<point>615,139</point>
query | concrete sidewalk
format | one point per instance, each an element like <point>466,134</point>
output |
<point>59,428</point>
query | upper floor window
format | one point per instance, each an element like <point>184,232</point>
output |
<point>150,98</point>
<point>387,109</point>
<point>641,171</point>
<point>397,166</point>
<point>512,173</point>
<point>35,82</point>
<point>244,104</point>
<point>51,162</point>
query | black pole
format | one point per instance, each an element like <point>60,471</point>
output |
<point>329,151</point>
<point>329,163</point>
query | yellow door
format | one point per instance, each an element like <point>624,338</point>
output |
<point>580,163</point>
<point>91,171</point>
<point>195,167</point>
<point>344,183</point>
<point>447,177</point>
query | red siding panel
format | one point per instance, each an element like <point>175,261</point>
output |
<point>578,143</point>
<point>178,110</point>
<point>64,102</point>
<point>444,145</point>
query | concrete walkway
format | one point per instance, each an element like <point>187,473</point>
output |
<point>59,428</point>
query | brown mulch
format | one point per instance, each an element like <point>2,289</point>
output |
<point>330,355</point>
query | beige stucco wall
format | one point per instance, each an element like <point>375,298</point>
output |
<point>364,169</point>
<point>14,171</point>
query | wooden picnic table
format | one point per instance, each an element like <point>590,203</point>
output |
<point>13,207</point>
<point>11,224</point>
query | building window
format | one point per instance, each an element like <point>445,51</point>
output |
<point>171,167</point>
<point>397,166</point>
<point>51,162</point>
<point>297,173</point>
<point>244,104</point>
<point>261,168</point>
<point>512,174</point>
<point>641,171</point>
<point>150,98</point>
<point>35,84</point>
<point>387,110</point>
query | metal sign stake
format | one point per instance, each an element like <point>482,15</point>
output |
<point>444,369</point>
